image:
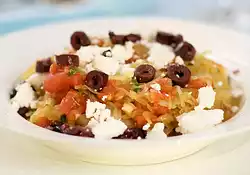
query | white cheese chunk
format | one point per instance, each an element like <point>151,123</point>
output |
<point>179,60</point>
<point>198,120</point>
<point>107,65</point>
<point>88,53</point>
<point>97,110</point>
<point>160,55</point>
<point>156,86</point>
<point>122,53</point>
<point>36,79</point>
<point>157,132</point>
<point>146,127</point>
<point>108,129</point>
<point>25,97</point>
<point>127,71</point>
<point>206,97</point>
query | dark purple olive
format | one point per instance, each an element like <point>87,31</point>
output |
<point>55,126</point>
<point>96,80</point>
<point>144,73</point>
<point>79,39</point>
<point>174,133</point>
<point>67,60</point>
<point>169,39</point>
<point>132,133</point>
<point>22,111</point>
<point>86,132</point>
<point>186,51</point>
<point>43,65</point>
<point>107,53</point>
<point>179,74</point>
<point>133,37</point>
<point>76,131</point>
<point>13,93</point>
<point>117,39</point>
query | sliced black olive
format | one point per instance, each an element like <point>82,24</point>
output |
<point>117,39</point>
<point>133,37</point>
<point>96,80</point>
<point>22,111</point>
<point>132,133</point>
<point>76,130</point>
<point>13,93</point>
<point>43,65</point>
<point>79,39</point>
<point>179,74</point>
<point>186,51</point>
<point>144,73</point>
<point>67,60</point>
<point>107,53</point>
<point>169,39</point>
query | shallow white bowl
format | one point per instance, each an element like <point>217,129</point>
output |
<point>19,50</point>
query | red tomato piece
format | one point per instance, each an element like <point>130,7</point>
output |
<point>56,83</point>
<point>73,101</point>
<point>76,79</point>
<point>197,83</point>
<point>166,84</point>
<point>159,110</point>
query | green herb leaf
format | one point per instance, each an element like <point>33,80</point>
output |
<point>63,118</point>
<point>73,71</point>
<point>135,85</point>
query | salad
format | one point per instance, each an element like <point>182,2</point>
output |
<point>126,86</point>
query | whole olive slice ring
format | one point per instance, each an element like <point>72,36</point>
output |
<point>144,73</point>
<point>96,80</point>
<point>179,74</point>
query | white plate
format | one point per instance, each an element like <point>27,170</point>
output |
<point>226,157</point>
<point>19,50</point>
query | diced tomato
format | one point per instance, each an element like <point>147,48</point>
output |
<point>42,122</point>
<point>76,79</point>
<point>53,68</point>
<point>108,90</point>
<point>58,96</point>
<point>156,96</point>
<point>140,121</point>
<point>56,83</point>
<point>73,101</point>
<point>159,110</point>
<point>166,84</point>
<point>197,83</point>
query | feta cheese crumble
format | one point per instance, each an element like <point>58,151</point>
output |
<point>107,65</point>
<point>156,86</point>
<point>198,120</point>
<point>179,60</point>
<point>160,55</point>
<point>122,53</point>
<point>127,71</point>
<point>97,110</point>
<point>206,97</point>
<point>157,132</point>
<point>25,97</point>
<point>108,129</point>
<point>103,125</point>
<point>146,127</point>
<point>36,79</point>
